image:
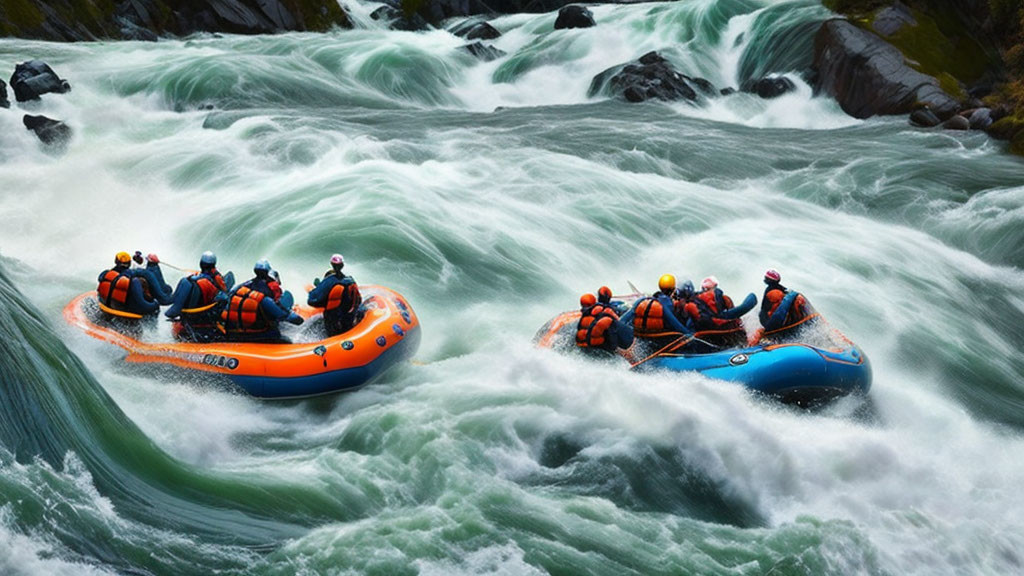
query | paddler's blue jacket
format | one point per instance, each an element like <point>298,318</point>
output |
<point>187,294</point>
<point>154,277</point>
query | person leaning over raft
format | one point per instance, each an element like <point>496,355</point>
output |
<point>252,315</point>
<point>152,277</point>
<point>195,300</point>
<point>119,290</point>
<point>339,296</point>
<point>599,329</point>
<point>780,307</point>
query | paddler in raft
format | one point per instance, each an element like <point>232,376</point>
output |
<point>599,330</point>
<point>712,313</point>
<point>654,319</point>
<point>122,294</point>
<point>781,308</point>
<point>198,300</point>
<point>339,296</point>
<point>252,314</point>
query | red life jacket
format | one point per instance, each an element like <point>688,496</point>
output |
<point>715,303</point>
<point>208,289</point>
<point>344,298</point>
<point>797,312</point>
<point>243,311</point>
<point>113,289</point>
<point>594,325</point>
<point>649,319</point>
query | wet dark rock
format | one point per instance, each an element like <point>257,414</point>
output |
<point>79,20</point>
<point>49,131</point>
<point>397,19</point>
<point>957,122</point>
<point>703,86</point>
<point>650,77</point>
<point>770,87</point>
<point>727,91</point>
<point>869,77</point>
<point>924,118</point>
<point>574,16</point>
<point>980,119</point>
<point>4,102</point>
<point>475,29</point>
<point>485,52</point>
<point>34,78</point>
<point>889,20</point>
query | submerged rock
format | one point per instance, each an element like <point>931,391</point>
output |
<point>475,29</point>
<point>34,78</point>
<point>924,118</point>
<point>869,77</point>
<point>49,131</point>
<point>574,16</point>
<point>650,77</point>
<point>485,52</point>
<point>957,122</point>
<point>769,87</point>
<point>4,102</point>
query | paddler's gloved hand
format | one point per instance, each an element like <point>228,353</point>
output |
<point>294,318</point>
<point>153,259</point>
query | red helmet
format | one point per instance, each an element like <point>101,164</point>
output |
<point>772,275</point>
<point>604,294</point>
<point>588,300</point>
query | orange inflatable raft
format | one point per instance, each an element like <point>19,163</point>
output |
<point>388,333</point>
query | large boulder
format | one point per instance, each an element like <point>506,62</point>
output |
<point>981,119</point>
<point>957,122</point>
<point>650,77</point>
<point>574,16</point>
<point>475,29</point>
<point>34,78</point>
<point>869,77</point>
<point>49,131</point>
<point>769,87</point>
<point>4,102</point>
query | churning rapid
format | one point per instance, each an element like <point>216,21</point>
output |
<point>492,194</point>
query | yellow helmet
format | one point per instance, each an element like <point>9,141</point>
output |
<point>667,283</point>
<point>123,258</point>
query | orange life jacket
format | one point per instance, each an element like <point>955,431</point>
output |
<point>649,318</point>
<point>594,325</point>
<point>243,311</point>
<point>113,289</point>
<point>345,298</point>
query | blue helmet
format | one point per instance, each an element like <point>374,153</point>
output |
<point>686,289</point>
<point>262,265</point>
<point>207,259</point>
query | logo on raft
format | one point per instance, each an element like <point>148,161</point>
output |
<point>220,361</point>
<point>739,359</point>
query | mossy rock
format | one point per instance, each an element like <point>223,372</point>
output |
<point>17,17</point>
<point>943,47</point>
<point>1009,128</point>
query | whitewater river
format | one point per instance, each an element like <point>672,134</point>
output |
<point>492,195</point>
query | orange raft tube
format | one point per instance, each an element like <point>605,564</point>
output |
<point>388,333</point>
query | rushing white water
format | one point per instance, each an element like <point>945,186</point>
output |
<point>492,195</point>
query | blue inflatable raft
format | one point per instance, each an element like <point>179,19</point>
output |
<point>809,365</point>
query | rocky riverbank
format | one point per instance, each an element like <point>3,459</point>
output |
<point>77,20</point>
<point>954,63</point>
